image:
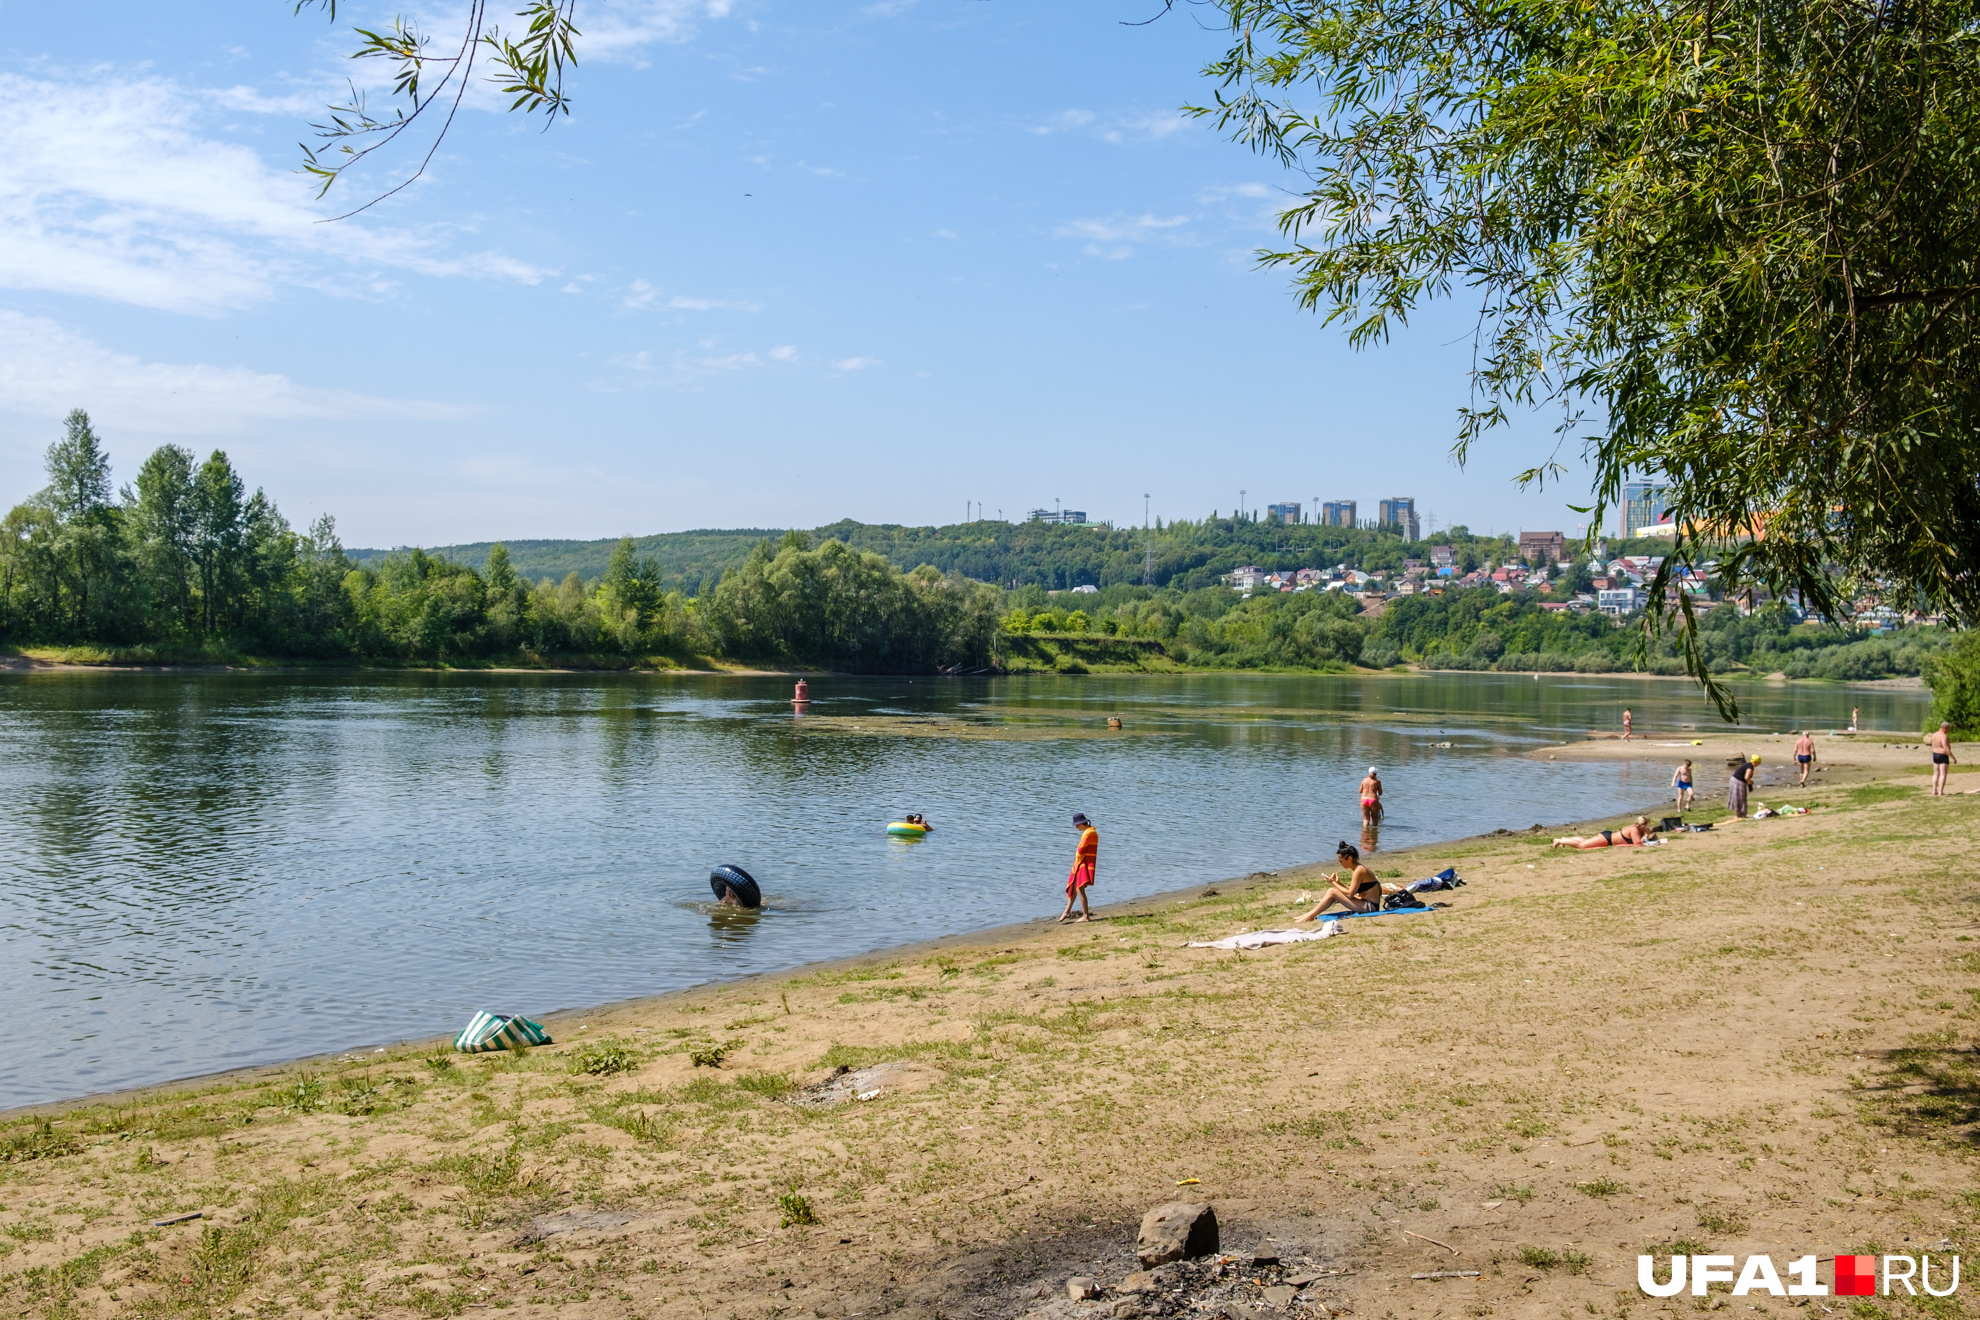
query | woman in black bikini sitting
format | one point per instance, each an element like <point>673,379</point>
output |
<point>1630,836</point>
<point>1361,892</point>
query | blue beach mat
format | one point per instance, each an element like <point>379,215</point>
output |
<point>1398,912</point>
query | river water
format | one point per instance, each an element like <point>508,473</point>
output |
<point>203,871</point>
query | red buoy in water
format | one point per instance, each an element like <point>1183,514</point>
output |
<point>802,697</point>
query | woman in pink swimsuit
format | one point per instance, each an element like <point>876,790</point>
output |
<point>1371,798</point>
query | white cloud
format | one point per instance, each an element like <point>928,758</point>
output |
<point>855,363</point>
<point>680,369</point>
<point>641,296</point>
<point>946,233</point>
<point>1115,238</point>
<point>1065,122</point>
<point>1152,127</point>
<point>112,190</point>
<point>617,29</point>
<point>784,353</point>
<point>1113,128</point>
<point>47,369</point>
<point>1225,191</point>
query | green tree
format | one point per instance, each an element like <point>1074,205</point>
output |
<point>86,536</point>
<point>1740,234</point>
<point>217,504</point>
<point>161,524</point>
<point>1954,676</point>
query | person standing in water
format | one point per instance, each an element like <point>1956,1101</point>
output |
<point>1852,719</point>
<point>1085,858</point>
<point>1804,756</point>
<point>1681,784</point>
<point>1371,800</point>
<point>1625,724</point>
<point>1940,743</point>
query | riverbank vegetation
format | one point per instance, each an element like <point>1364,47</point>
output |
<point>184,565</point>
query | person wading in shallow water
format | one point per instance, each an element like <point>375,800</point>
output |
<point>1085,858</point>
<point>1625,724</point>
<point>1371,800</point>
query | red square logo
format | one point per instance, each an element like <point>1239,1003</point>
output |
<point>1856,1276</point>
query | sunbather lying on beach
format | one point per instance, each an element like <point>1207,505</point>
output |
<point>1360,892</point>
<point>1629,836</point>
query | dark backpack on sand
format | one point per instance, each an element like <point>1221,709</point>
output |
<point>1402,902</point>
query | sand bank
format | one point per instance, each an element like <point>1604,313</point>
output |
<point>1749,1040</point>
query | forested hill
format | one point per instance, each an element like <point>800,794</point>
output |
<point>685,558</point>
<point>1186,555</point>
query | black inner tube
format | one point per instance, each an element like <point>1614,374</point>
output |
<point>728,880</point>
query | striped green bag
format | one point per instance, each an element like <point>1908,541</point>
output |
<point>499,1031</point>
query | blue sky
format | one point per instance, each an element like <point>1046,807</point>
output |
<point>787,263</point>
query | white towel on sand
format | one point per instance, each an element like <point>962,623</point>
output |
<point>1258,939</point>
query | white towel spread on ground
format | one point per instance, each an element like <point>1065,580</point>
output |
<point>1258,939</point>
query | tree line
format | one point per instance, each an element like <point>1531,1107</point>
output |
<point>185,563</point>
<point>1479,628</point>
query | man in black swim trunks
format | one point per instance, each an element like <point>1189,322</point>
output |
<point>1940,741</point>
<point>1804,754</point>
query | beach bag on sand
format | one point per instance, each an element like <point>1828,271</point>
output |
<point>489,1032</point>
<point>1401,902</point>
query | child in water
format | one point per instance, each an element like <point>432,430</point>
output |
<point>1085,857</point>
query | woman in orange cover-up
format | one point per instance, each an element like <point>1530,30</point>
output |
<point>1084,859</point>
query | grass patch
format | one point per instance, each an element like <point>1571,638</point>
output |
<point>605,1058</point>
<point>37,1141</point>
<point>865,1056</point>
<point>709,1056</point>
<point>1520,1192</point>
<point>1682,1246</point>
<point>1601,1187</point>
<point>1546,1258</point>
<point>795,1208</point>
<point>1722,1222</point>
<point>771,1086</point>
<point>1864,795</point>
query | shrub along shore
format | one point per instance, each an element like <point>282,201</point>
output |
<point>1757,1039</point>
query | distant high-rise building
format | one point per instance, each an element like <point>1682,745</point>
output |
<point>1285,513</point>
<point>1337,513</point>
<point>1642,506</point>
<point>1398,513</point>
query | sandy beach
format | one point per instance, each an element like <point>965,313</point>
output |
<point>1756,1039</point>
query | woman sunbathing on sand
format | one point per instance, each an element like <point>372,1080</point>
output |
<point>1361,892</point>
<point>1628,837</point>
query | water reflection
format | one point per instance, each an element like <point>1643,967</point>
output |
<point>732,925</point>
<point>212,870</point>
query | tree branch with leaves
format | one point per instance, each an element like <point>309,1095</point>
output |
<point>430,87</point>
<point>1734,241</point>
